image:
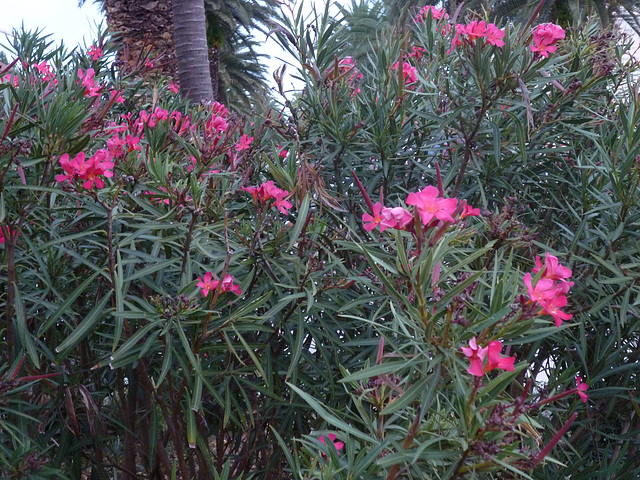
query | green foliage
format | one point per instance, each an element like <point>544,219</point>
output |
<point>121,359</point>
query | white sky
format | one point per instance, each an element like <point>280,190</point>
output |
<point>67,22</point>
<point>61,18</point>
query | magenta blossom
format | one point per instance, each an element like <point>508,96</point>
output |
<point>545,37</point>
<point>436,13</point>
<point>268,191</point>
<point>409,72</point>
<point>95,53</point>
<point>496,360</point>
<point>582,387</point>
<point>551,290</point>
<point>372,221</point>
<point>332,438</point>
<point>552,268</point>
<point>476,357</point>
<point>244,143</point>
<point>209,282</point>
<point>396,217</point>
<point>430,206</point>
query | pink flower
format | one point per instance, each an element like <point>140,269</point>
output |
<point>8,78</point>
<point>417,53</point>
<point>44,69</point>
<point>243,143</point>
<point>552,268</point>
<point>476,357</point>
<point>208,283</point>
<point>552,307</point>
<point>145,118</point>
<point>396,217</point>
<point>372,221</point>
<point>408,72</point>
<point>491,353</point>
<point>495,360</point>
<point>582,387</point>
<point>115,93</point>
<point>254,191</point>
<point>217,124</point>
<point>88,82</point>
<point>495,35</point>
<point>456,41</point>
<point>173,87</point>
<point>551,290</point>
<point>436,13</point>
<point>205,283</point>
<point>219,109</point>
<point>99,164</point>
<point>133,143</point>
<point>332,438</point>
<point>268,191</point>
<point>148,63</point>
<point>115,145</point>
<point>346,66</point>
<point>95,53</point>
<point>69,166</point>
<point>227,285</point>
<point>194,163</point>
<point>282,153</point>
<point>476,29</point>
<point>468,211</point>
<point>430,206</point>
<point>545,37</point>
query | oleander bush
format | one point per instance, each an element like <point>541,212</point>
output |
<point>422,265</point>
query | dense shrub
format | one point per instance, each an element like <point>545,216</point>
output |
<point>423,266</point>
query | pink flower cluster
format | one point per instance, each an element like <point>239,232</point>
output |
<point>121,146</point>
<point>90,170</point>
<point>409,72</point>
<point>268,191</point>
<point>545,37</point>
<point>346,65</point>
<point>436,13</point>
<point>430,206</point>
<point>209,283</point>
<point>551,290</point>
<point>332,438</point>
<point>475,30</point>
<point>44,69</point>
<point>151,119</point>
<point>217,122</point>
<point>485,359</point>
<point>95,53</point>
<point>88,82</point>
<point>244,143</point>
<point>8,78</point>
<point>345,68</point>
<point>582,387</point>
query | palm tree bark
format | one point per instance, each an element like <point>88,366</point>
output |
<point>145,28</point>
<point>191,50</point>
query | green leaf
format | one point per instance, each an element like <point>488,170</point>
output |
<point>86,326</point>
<point>328,417</point>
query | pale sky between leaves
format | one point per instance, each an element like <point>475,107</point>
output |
<point>67,22</point>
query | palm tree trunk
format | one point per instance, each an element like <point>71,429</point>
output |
<point>145,28</point>
<point>214,69</point>
<point>191,50</point>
